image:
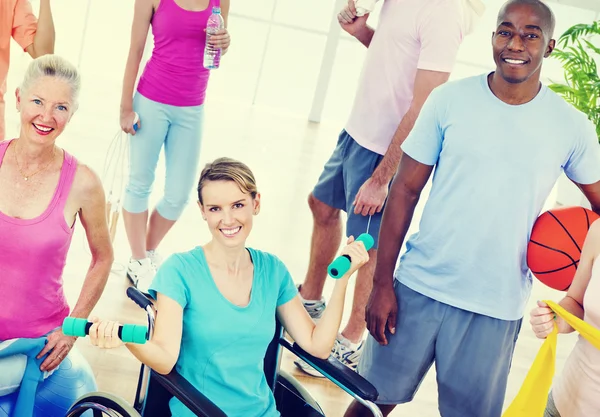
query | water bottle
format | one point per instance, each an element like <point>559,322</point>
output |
<point>212,56</point>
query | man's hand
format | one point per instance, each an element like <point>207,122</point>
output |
<point>58,347</point>
<point>370,197</point>
<point>349,21</point>
<point>382,311</point>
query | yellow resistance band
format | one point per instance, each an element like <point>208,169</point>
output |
<point>533,395</point>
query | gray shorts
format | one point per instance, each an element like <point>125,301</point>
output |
<point>345,172</point>
<point>551,410</point>
<point>472,355</point>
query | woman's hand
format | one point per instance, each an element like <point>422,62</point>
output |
<point>105,333</point>
<point>358,254</point>
<point>127,118</point>
<point>58,347</point>
<point>220,39</point>
<point>542,320</point>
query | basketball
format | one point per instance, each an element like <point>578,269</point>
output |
<point>555,245</point>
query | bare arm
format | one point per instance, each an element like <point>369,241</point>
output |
<point>425,82</point>
<point>382,308</point>
<point>356,25</point>
<point>93,218</point>
<point>162,351</point>
<point>142,17</point>
<point>221,39</point>
<point>317,339</point>
<point>88,189</point>
<point>365,35</point>
<point>225,10</point>
<point>404,195</point>
<point>592,193</point>
<point>43,42</point>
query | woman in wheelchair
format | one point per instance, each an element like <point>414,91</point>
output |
<point>217,304</point>
<point>43,189</point>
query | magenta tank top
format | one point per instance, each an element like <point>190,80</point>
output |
<point>33,253</point>
<point>175,74</point>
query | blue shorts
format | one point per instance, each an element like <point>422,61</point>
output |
<point>472,355</point>
<point>345,172</point>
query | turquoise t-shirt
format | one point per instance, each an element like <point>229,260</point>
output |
<point>223,345</point>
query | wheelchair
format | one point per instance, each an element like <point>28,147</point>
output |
<point>292,400</point>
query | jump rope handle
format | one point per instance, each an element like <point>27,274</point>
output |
<point>135,122</point>
<point>128,333</point>
<point>341,264</point>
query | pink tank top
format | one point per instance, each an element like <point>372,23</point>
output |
<point>576,390</point>
<point>33,253</point>
<point>175,74</point>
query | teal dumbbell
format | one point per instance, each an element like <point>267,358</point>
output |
<point>341,264</point>
<point>128,333</point>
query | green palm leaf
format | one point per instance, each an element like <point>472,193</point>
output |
<point>576,51</point>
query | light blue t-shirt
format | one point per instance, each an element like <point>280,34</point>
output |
<point>495,165</point>
<point>223,345</point>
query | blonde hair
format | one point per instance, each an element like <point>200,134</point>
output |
<point>227,169</point>
<point>53,66</point>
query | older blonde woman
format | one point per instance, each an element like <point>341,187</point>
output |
<point>43,190</point>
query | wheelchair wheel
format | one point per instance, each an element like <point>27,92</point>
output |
<point>293,400</point>
<point>102,404</point>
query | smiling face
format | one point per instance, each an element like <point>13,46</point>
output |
<point>228,211</point>
<point>46,106</point>
<point>521,42</point>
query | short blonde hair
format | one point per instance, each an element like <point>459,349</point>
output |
<point>227,169</point>
<point>53,66</point>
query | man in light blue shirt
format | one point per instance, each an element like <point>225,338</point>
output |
<point>498,143</point>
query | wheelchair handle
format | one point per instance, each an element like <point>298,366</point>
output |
<point>341,264</point>
<point>137,297</point>
<point>128,333</point>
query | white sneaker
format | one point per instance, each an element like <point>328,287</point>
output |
<point>347,352</point>
<point>343,350</point>
<point>155,258</point>
<point>141,272</point>
<point>314,308</point>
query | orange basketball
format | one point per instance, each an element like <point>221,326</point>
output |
<point>555,245</point>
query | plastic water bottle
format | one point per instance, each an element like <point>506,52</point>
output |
<point>212,56</point>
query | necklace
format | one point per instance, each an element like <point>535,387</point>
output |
<point>26,177</point>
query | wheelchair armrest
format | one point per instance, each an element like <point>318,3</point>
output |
<point>338,373</point>
<point>185,392</point>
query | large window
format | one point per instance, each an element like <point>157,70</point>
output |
<point>277,53</point>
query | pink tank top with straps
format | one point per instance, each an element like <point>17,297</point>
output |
<point>175,73</point>
<point>33,254</point>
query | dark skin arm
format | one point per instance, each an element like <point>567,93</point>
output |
<point>406,188</point>
<point>592,193</point>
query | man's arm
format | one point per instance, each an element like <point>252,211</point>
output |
<point>372,194</point>
<point>43,42</point>
<point>382,309</point>
<point>592,193</point>
<point>365,35</point>
<point>356,25</point>
<point>425,82</point>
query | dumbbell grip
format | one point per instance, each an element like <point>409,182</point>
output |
<point>128,333</point>
<point>342,263</point>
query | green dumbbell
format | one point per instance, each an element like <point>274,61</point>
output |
<point>341,264</point>
<point>128,333</point>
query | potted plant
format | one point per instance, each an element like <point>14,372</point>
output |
<point>577,53</point>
